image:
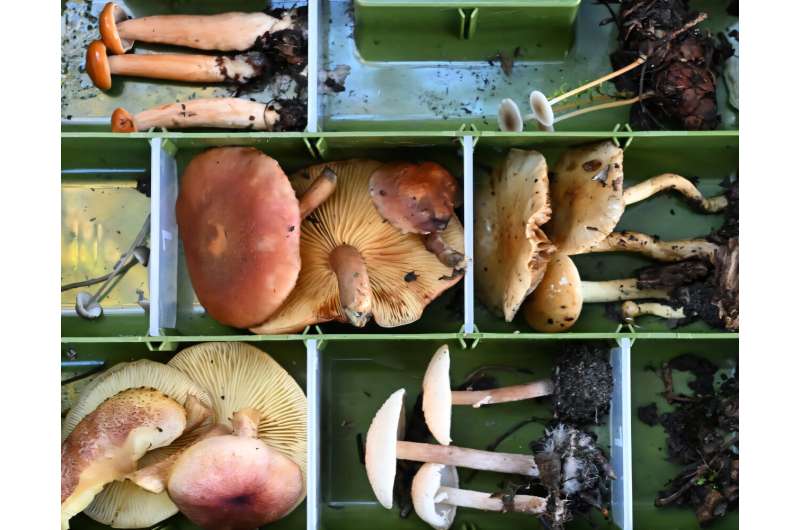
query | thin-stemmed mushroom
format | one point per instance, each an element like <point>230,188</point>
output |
<point>657,249</point>
<point>436,496</point>
<point>354,265</point>
<point>175,67</point>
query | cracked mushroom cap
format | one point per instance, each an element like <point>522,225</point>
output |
<point>424,494</point>
<point>122,504</point>
<point>239,221</point>
<point>511,249</point>
<point>403,276</point>
<point>556,304</point>
<point>239,376</point>
<point>587,196</point>
<point>380,458</point>
<point>437,398</point>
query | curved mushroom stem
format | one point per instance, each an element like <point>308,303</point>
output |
<point>450,455</point>
<point>631,310</point>
<point>355,293</point>
<point>602,106</point>
<point>322,188</point>
<point>677,250</point>
<point>487,502</point>
<point>245,422</point>
<point>618,291</point>
<point>448,256</point>
<point>651,186</point>
<point>478,398</point>
<point>228,113</point>
<point>600,80</point>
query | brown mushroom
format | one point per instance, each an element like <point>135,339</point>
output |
<point>511,250</point>
<point>173,67</point>
<point>355,265</point>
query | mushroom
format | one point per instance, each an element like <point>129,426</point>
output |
<point>354,265</point>
<point>436,496</point>
<point>418,199</point>
<point>224,31</point>
<point>385,446</point>
<point>588,198</point>
<point>174,67</point>
<point>130,402</point>
<point>227,113</point>
<point>511,250</point>
<point>675,250</point>
<point>509,118</point>
<point>239,222</point>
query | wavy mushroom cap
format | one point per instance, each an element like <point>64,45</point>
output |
<point>239,221</point>
<point>556,304</point>
<point>404,277</point>
<point>97,65</point>
<point>587,197</point>
<point>110,16</point>
<point>425,494</point>
<point>511,250</point>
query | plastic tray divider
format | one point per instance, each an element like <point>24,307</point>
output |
<point>469,274</point>
<point>313,451</point>
<point>312,70</point>
<point>621,449</point>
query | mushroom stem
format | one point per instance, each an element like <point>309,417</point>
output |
<point>100,279</point>
<point>651,186</point>
<point>602,106</point>
<point>677,250</point>
<point>598,81</point>
<point>631,310</point>
<point>245,422</point>
<point>485,501</point>
<point>470,458</point>
<point>617,291</point>
<point>355,294</point>
<point>196,412</point>
<point>447,255</point>
<point>477,398</point>
<point>322,188</point>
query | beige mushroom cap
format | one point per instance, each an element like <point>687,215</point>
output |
<point>424,490</point>
<point>556,304</point>
<point>587,196</point>
<point>437,398</point>
<point>123,504</point>
<point>511,249</point>
<point>509,118</point>
<point>386,428</point>
<point>404,277</point>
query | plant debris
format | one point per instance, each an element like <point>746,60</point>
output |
<point>583,384</point>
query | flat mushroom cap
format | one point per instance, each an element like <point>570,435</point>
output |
<point>122,504</point>
<point>239,376</point>
<point>437,398</point>
<point>587,196</point>
<point>541,108</point>
<point>239,222</point>
<point>416,198</point>
<point>97,65</point>
<point>403,275</point>
<point>556,304</point>
<point>511,249</point>
<point>110,16</point>
<point>424,489</point>
<point>380,457</point>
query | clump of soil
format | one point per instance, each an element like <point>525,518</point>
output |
<point>702,437</point>
<point>583,384</point>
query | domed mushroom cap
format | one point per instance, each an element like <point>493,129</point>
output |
<point>587,197</point>
<point>404,277</point>
<point>437,398</point>
<point>424,489</point>
<point>239,221</point>
<point>511,249</point>
<point>556,304</point>
<point>110,16</point>
<point>380,455</point>
<point>122,504</point>
<point>97,65</point>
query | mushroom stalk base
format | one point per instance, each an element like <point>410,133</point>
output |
<point>470,458</point>
<point>484,501</point>
<point>677,250</point>
<point>477,398</point>
<point>355,293</point>
<point>617,291</point>
<point>447,255</point>
<point>651,186</point>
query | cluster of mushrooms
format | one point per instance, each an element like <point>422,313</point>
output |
<point>350,241</point>
<point>566,462</point>
<point>263,42</point>
<point>218,433</point>
<point>529,224</point>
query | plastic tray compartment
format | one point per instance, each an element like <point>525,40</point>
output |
<point>80,357</point>
<point>85,107</point>
<point>357,377</point>
<point>181,314</point>
<point>101,214</point>
<point>709,157</point>
<point>653,471</point>
<point>458,30</point>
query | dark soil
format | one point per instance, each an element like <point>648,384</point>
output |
<point>583,384</point>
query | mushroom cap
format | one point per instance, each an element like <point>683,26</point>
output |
<point>404,276</point>
<point>416,198</point>
<point>587,196</point>
<point>437,398</point>
<point>239,222</point>
<point>97,65</point>
<point>388,426</point>
<point>110,16</point>
<point>122,121</point>
<point>509,118</point>
<point>556,304</point>
<point>240,376</point>
<point>123,504</point>
<point>542,109</point>
<point>511,250</point>
<point>424,490</point>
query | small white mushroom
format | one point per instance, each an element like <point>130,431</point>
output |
<point>509,118</point>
